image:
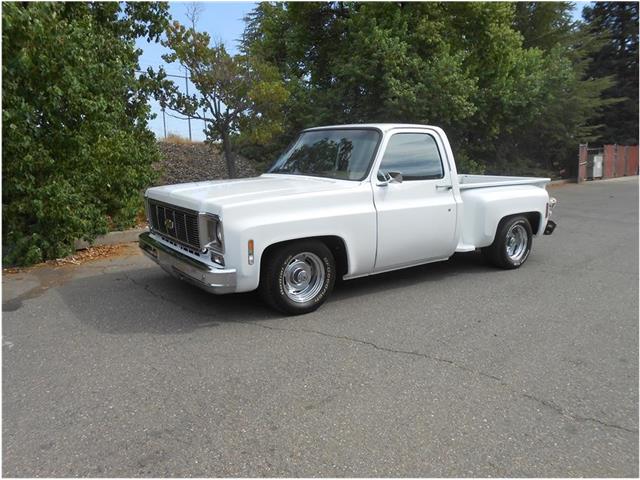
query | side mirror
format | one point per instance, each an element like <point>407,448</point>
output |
<point>385,178</point>
<point>396,177</point>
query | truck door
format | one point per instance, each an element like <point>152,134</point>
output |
<point>417,213</point>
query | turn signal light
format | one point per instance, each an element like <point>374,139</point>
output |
<point>250,251</point>
<point>219,259</point>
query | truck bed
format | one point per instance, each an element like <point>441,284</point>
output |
<point>467,182</point>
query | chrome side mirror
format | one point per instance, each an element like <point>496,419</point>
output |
<point>385,178</point>
<point>396,177</point>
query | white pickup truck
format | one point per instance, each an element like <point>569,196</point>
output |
<point>341,202</point>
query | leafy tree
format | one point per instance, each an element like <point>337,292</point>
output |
<point>617,24</point>
<point>494,75</point>
<point>349,62</point>
<point>237,93</point>
<point>544,25</point>
<point>76,147</point>
<point>571,99</point>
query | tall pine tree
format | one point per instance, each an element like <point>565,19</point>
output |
<point>617,24</point>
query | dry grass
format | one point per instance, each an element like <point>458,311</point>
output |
<point>78,258</point>
<point>141,219</point>
<point>178,139</point>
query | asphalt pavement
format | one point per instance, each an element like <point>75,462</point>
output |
<point>115,369</point>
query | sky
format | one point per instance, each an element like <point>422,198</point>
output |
<point>224,23</point>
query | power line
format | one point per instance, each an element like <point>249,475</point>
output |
<point>177,117</point>
<point>168,75</point>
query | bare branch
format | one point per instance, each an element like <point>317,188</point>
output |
<point>194,12</point>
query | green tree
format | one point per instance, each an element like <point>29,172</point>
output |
<point>571,98</point>
<point>617,24</point>
<point>544,25</point>
<point>236,93</point>
<point>350,62</point>
<point>492,74</point>
<point>76,147</point>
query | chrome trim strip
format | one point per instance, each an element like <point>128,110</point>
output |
<point>173,207</point>
<point>211,279</point>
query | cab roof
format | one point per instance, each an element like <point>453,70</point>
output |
<point>379,126</point>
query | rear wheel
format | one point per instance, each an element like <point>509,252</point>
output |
<point>298,277</point>
<point>512,244</point>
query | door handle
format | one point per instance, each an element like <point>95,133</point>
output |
<point>444,187</point>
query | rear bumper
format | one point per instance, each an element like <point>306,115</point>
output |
<point>214,280</point>
<point>551,226</point>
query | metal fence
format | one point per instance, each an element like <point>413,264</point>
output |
<point>608,161</point>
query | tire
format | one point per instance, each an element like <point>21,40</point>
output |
<point>512,244</point>
<point>298,277</point>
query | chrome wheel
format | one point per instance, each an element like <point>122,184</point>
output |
<point>303,277</point>
<point>517,242</point>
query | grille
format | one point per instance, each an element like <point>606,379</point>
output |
<point>176,223</point>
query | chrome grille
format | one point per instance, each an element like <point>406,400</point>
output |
<point>176,223</point>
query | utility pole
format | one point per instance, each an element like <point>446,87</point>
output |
<point>164,123</point>
<point>193,14</point>
<point>186,82</point>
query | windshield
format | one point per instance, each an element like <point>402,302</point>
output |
<point>341,154</point>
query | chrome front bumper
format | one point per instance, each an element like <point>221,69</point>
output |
<point>214,280</point>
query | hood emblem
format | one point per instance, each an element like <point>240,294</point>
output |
<point>168,224</point>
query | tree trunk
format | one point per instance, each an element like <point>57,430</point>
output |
<point>228,156</point>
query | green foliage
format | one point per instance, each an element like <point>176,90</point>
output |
<point>568,98</point>
<point>504,80</point>
<point>76,148</point>
<point>616,25</point>
<point>237,93</point>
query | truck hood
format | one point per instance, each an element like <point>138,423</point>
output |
<point>215,195</point>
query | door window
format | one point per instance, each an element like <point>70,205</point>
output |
<point>414,155</point>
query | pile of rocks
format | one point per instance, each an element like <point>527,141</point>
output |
<point>192,162</point>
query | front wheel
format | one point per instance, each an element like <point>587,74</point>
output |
<point>512,245</point>
<point>297,278</point>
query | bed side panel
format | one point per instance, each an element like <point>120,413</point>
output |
<point>485,207</point>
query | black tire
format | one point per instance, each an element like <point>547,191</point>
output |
<point>497,253</point>
<point>278,265</point>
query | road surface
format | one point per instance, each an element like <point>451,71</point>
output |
<point>452,369</point>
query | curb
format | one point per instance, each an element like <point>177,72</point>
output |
<point>111,238</point>
<point>564,181</point>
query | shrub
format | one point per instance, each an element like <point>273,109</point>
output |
<point>76,147</point>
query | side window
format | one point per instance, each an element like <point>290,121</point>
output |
<point>414,155</point>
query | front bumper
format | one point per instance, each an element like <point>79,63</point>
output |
<point>211,279</point>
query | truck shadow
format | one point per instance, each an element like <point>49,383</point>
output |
<point>150,301</point>
<point>460,263</point>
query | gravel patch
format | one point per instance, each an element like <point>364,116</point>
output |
<point>193,162</point>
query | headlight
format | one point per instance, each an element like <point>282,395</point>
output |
<point>219,235</point>
<point>211,232</point>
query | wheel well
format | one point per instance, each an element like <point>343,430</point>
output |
<point>333,243</point>
<point>534,220</point>
<point>533,217</point>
